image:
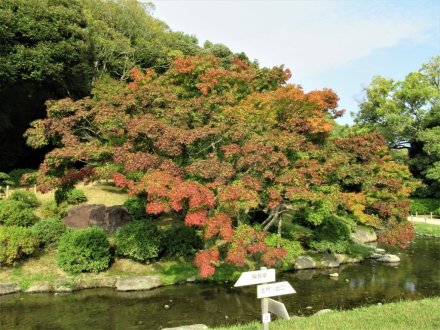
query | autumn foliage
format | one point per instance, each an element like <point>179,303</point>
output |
<point>213,142</point>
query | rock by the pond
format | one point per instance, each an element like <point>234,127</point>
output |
<point>63,285</point>
<point>189,327</point>
<point>304,262</point>
<point>352,260</point>
<point>379,251</point>
<point>191,279</point>
<point>375,256</point>
<point>334,275</point>
<point>7,288</point>
<point>329,261</point>
<point>39,288</point>
<point>324,311</point>
<point>362,234</point>
<point>138,283</point>
<point>391,258</point>
<point>107,218</point>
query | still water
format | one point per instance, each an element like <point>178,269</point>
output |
<point>417,276</point>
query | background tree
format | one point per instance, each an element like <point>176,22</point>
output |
<point>406,114</point>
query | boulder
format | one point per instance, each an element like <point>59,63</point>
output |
<point>189,327</point>
<point>304,262</point>
<point>374,256</point>
<point>107,218</point>
<point>39,288</point>
<point>324,311</point>
<point>138,283</point>
<point>362,234</point>
<point>379,251</point>
<point>391,258</point>
<point>7,288</point>
<point>63,285</point>
<point>334,275</point>
<point>330,261</point>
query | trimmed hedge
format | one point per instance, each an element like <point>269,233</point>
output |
<point>75,197</point>
<point>26,197</point>
<point>49,231</point>
<point>83,250</point>
<point>16,213</point>
<point>52,210</point>
<point>136,207</point>
<point>16,243</point>
<point>425,205</point>
<point>139,240</point>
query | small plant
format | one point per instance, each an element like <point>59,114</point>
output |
<point>333,236</point>
<point>16,213</point>
<point>26,197</point>
<point>83,250</point>
<point>16,243</point>
<point>138,240</point>
<point>49,231</point>
<point>399,235</point>
<point>75,196</point>
<point>181,241</point>
<point>292,248</point>
<point>52,210</point>
<point>136,207</point>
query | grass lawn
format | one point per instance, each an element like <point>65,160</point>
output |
<point>425,228</point>
<point>420,314</point>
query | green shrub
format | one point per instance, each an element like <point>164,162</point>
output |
<point>52,210</point>
<point>181,241</point>
<point>27,197</point>
<point>424,205</point>
<point>139,240</point>
<point>292,248</point>
<point>330,247</point>
<point>16,213</point>
<point>49,231</point>
<point>83,250</point>
<point>15,243</point>
<point>16,174</point>
<point>75,196</point>
<point>333,236</point>
<point>136,207</point>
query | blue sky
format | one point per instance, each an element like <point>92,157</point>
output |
<point>340,44</point>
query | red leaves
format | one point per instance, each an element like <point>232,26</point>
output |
<point>399,235</point>
<point>221,225</point>
<point>204,261</point>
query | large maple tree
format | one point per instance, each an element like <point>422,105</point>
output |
<point>213,141</point>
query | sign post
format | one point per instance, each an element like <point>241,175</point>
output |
<point>266,290</point>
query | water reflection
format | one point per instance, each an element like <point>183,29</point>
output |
<point>417,276</point>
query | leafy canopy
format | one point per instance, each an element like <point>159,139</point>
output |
<point>214,140</point>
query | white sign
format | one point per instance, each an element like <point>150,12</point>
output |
<point>278,309</point>
<point>266,317</point>
<point>256,277</point>
<point>274,289</point>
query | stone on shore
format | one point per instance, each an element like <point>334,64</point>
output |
<point>362,234</point>
<point>375,256</point>
<point>379,251</point>
<point>324,311</point>
<point>304,262</point>
<point>391,258</point>
<point>330,261</point>
<point>138,283</point>
<point>7,288</point>
<point>40,288</point>
<point>189,327</point>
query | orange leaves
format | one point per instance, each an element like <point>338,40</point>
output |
<point>205,261</point>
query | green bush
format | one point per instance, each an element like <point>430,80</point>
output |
<point>16,174</point>
<point>16,213</point>
<point>292,248</point>
<point>52,210</point>
<point>27,197</point>
<point>139,240</point>
<point>83,250</point>
<point>136,207</point>
<point>181,241</point>
<point>424,205</point>
<point>75,196</point>
<point>333,236</point>
<point>15,243</point>
<point>49,231</point>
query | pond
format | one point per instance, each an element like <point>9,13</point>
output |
<point>417,276</point>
